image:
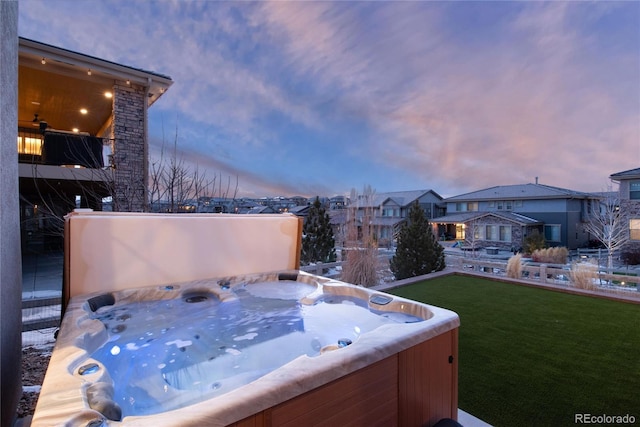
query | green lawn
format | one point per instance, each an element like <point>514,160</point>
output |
<point>534,357</point>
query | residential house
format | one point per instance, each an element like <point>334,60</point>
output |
<point>629,199</point>
<point>338,202</point>
<point>260,210</point>
<point>387,211</point>
<point>82,135</point>
<point>503,216</point>
<point>301,211</point>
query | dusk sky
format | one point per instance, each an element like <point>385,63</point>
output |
<point>317,98</point>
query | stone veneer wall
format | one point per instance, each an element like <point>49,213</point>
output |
<point>129,150</point>
<point>10,259</point>
<point>517,238</point>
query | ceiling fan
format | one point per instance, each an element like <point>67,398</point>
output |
<point>39,122</point>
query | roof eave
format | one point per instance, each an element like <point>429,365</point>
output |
<point>158,83</point>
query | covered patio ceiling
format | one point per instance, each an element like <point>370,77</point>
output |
<point>69,90</point>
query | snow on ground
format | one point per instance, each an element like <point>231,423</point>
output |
<point>42,339</point>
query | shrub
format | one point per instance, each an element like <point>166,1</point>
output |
<point>557,255</point>
<point>584,274</point>
<point>533,242</point>
<point>631,256</point>
<point>514,267</point>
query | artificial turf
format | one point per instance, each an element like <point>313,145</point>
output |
<point>533,357</point>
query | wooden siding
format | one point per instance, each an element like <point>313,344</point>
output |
<point>414,388</point>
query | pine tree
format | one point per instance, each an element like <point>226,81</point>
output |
<point>418,250</point>
<point>318,243</point>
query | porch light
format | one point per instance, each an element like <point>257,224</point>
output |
<point>89,72</point>
<point>83,111</point>
<point>43,61</point>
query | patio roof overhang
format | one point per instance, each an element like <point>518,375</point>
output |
<point>56,84</point>
<point>462,218</point>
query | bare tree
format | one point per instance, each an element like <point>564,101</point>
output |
<point>173,183</point>
<point>472,235</point>
<point>361,264</point>
<point>608,224</point>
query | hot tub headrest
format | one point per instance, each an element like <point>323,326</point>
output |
<point>101,301</point>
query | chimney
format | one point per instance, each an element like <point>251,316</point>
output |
<point>536,180</point>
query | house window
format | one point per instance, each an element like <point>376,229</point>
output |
<point>506,205</point>
<point>505,233</point>
<point>634,190</point>
<point>498,233</point>
<point>477,232</point>
<point>28,145</point>
<point>634,229</point>
<point>518,203</point>
<point>467,207</point>
<point>552,233</point>
<point>492,232</point>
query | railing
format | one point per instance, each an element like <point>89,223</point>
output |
<point>62,148</point>
<point>548,273</point>
<point>323,269</point>
<point>41,313</point>
<point>614,279</point>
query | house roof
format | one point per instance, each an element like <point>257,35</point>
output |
<point>401,198</point>
<point>299,210</point>
<point>55,83</point>
<point>259,210</point>
<point>465,217</point>
<point>630,174</point>
<point>519,191</point>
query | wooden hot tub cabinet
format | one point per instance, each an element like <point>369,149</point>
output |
<point>416,387</point>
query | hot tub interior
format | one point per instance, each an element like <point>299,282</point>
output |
<point>174,345</point>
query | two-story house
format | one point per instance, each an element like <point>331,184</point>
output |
<point>387,212</point>
<point>503,216</point>
<point>82,135</point>
<point>629,199</point>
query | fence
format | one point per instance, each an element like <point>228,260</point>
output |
<point>40,313</point>
<point>549,273</point>
<point>614,279</point>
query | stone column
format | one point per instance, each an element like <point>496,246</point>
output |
<point>10,261</point>
<point>129,151</point>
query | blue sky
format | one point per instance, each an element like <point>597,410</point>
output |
<point>308,98</point>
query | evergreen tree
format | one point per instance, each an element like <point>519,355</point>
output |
<point>418,250</point>
<point>318,243</point>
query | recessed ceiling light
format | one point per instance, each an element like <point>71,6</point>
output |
<point>108,95</point>
<point>76,130</point>
<point>35,102</point>
<point>83,111</point>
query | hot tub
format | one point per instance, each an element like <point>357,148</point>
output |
<point>269,349</point>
